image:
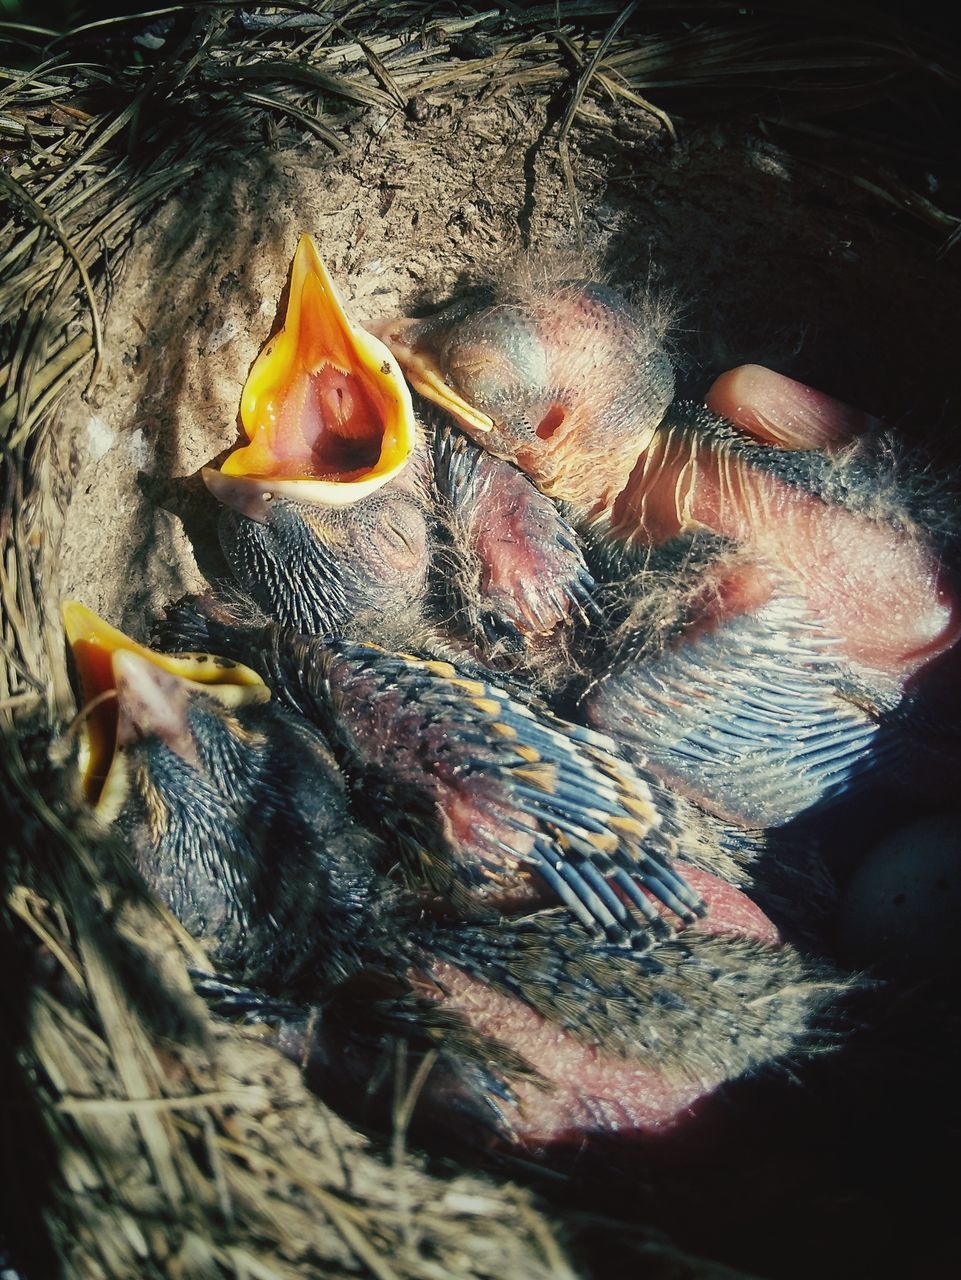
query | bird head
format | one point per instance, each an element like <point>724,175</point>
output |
<point>322,513</point>
<point>566,381</point>
<point>234,809</point>
<point>330,569</point>
<point>130,693</point>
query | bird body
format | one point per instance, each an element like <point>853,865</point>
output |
<point>812,562</point>
<point>537,1031</point>
<point>520,578</point>
<point>626,1048</point>
<point>824,524</point>
<point>747,716</point>
<point>479,789</point>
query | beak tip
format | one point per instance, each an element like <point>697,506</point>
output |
<point>307,245</point>
<point>73,613</point>
<point>248,495</point>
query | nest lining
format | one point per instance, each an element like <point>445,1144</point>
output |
<point>151,256</point>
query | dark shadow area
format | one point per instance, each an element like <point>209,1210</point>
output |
<point>831,1168</point>
<point>767,262</point>
<point>188,498</point>
<point>28,1157</point>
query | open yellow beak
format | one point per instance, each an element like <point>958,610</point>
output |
<point>325,406</point>
<point>95,645</point>
<point>426,377</point>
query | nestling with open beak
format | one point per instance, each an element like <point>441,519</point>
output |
<point>326,518</point>
<point>542,1033</point>
<point>234,808</point>
<point>236,815</point>
<point>810,555</point>
<point>331,519</point>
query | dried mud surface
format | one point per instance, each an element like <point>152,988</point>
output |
<point>757,260</point>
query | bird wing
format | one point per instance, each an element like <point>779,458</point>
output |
<point>670,1009</point>
<point>484,789</point>
<point>746,718</point>
<point>523,559</point>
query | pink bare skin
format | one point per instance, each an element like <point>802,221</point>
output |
<point>587,1096</point>
<point>780,411</point>
<point>589,1093</point>
<point>880,590</point>
<point>592,1093</point>
<point>522,576</point>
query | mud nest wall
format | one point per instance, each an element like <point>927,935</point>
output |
<point>778,181</point>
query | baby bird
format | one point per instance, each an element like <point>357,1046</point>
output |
<point>603,1045</point>
<point>339,506</point>
<point>808,555</point>
<point>234,808</point>
<point>567,382</point>
<point>326,510</point>
<point>495,806</point>
<point>236,815</point>
<point>538,1033</point>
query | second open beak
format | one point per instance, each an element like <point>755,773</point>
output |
<point>100,654</point>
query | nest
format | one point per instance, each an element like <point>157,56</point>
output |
<point>157,173</point>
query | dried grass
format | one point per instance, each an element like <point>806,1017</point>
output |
<point>169,1145</point>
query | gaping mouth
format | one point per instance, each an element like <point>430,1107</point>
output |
<point>325,407</point>
<point>96,647</point>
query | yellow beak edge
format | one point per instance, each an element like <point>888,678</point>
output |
<point>95,644</point>
<point>325,408</point>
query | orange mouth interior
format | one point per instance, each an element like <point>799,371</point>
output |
<point>325,403</point>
